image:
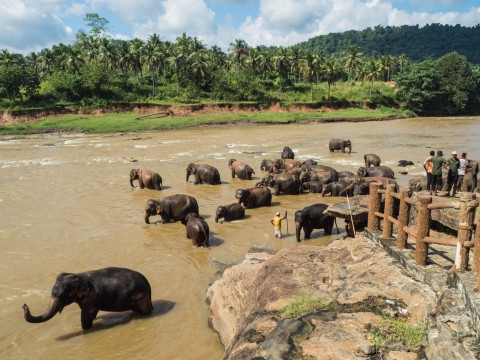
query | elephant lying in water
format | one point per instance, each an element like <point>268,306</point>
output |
<point>109,289</point>
<point>146,179</point>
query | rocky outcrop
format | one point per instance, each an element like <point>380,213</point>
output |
<point>357,278</point>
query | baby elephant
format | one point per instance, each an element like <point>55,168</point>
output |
<point>146,179</point>
<point>197,229</point>
<point>108,289</point>
<point>230,212</point>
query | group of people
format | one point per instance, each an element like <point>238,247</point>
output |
<point>456,170</point>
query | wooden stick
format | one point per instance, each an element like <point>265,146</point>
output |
<point>351,217</point>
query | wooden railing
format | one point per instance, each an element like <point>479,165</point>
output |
<point>420,230</point>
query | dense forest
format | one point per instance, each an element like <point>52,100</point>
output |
<point>417,43</point>
<point>97,71</point>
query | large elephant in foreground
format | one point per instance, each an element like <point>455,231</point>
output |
<point>254,197</point>
<point>382,171</point>
<point>240,169</point>
<point>146,179</point>
<point>313,217</point>
<point>108,289</point>
<point>287,153</point>
<point>340,144</point>
<point>197,229</point>
<point>203,173</point>
<point>230,212</point>
<point>371,160</point>
<point>173,207</point>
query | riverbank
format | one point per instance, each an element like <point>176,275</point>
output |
<point>352,301</point>
<point>153,117</point>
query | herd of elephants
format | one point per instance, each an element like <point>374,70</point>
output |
<point>120,289</point>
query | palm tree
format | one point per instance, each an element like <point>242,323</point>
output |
<point>136,55</point>
<point>331,71</point>
<point>175,60</point>
<point>353,58</point>
<point>238,50</point>
<point>73,59</point>
<point>217,56</point>
<point>402,62</point>
<point>46,61</point>
<point>372,72</point>
<point>198,64</point>
<point>280,62</point>
<point>295,58</point>
<point>310,69</point>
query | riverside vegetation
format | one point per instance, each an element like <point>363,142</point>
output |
<point>97,72</point>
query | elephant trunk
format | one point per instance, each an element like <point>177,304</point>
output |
<point>188,175</point>
<point>147,217</point>
<point>53,308</point>
<point>298,228</point>
<point>131,182</point>
<point>349,149</point>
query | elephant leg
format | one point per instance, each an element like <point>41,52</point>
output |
<point>87,316</point>
<point>277,189</point>
<point>307,231</point>
<point>140,183</point>
<point>328,226</point>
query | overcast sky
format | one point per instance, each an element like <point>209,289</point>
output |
<point>31,25</point>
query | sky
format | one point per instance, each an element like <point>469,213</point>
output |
<point>31,25</point>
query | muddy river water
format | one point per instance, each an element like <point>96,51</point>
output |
<point>66,206</point>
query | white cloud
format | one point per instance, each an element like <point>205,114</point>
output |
<point>31,25</point>
<point>178,16</point>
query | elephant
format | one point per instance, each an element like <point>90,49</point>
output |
<point>313,217</point>
<point>336,188</point>
<point>313,175</point>
<point>362,186</point>
<point>320,168</point>
<point>230,212</point>
<point>340,144</point>
<point>287,153</point>
<point>197,229</point>
<point>403,163</point>
<point>266,165</point>
<point>418,184</point>
<point>240,169</point>
<point>470,182</point>
<point>314,187</point>
<point>309,162</point>
<point>285,183</point>
<point>173,207</point>
<point>383,171</point>
<point>108,289</point>
<point>371,159</point>
<point>285,164</point>
<point>344,174</point>
<point>254,197</point>
<point>203,173</point>
<point>146,179</point>
<point>294,171</point>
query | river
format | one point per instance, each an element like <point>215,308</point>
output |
<point>66,205</point>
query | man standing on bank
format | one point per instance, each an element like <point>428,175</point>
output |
<point>438,163</point>
<point>452,178</point>
<point>277,224</point>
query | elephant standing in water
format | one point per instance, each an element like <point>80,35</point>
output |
<point>230,212</point>
<point>173,207</point>
<point>371,159</point>
<point>287,153</point>
<point>197,229</point>
<point>254,197</point>
<point>203,173</point>
<point>240,169</point>
<point>109,289</point>
<point>313,217</point>
<point>340,144</point>
<point>146,179</point>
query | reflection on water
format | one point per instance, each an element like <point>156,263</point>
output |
<point>66,206</point>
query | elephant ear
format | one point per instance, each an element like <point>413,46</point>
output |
<point>81,287</point>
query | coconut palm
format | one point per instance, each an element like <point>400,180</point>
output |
<point>310,68</point>
<point>353,58</point>
<point>372,72</point>
<point>331,71</point>
<point>238,51</point>
<point>281,63</point>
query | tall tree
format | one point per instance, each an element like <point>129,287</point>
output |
<point>353,58</point>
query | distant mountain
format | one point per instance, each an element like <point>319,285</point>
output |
<point>418,43</point>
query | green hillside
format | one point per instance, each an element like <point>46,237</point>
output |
<point>418,43</point>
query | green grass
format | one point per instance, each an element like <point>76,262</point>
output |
<point>301,305</point>
<point>129,122</point>
<point>397,330</point>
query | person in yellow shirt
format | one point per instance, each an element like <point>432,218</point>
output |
<point>277,224</point>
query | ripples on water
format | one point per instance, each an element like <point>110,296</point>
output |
<point>66,206</point>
